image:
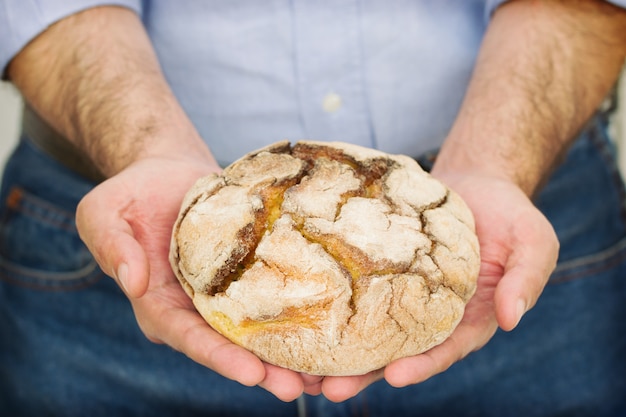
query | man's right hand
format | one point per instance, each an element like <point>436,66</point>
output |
<point>127,222</point>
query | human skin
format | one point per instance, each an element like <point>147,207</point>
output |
<point>543,68</point>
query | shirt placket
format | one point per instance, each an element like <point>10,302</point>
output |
<point>329,71</point>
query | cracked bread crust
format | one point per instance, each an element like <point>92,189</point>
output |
<point>326,258</point>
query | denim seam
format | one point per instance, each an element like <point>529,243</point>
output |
<point>31,273</point>
<point>66,223</point>
<point>53,285</point>
<point>590,264</point>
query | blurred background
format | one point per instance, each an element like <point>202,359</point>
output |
<point>10,110</point>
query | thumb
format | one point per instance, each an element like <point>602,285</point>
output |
<point>526,274</point>
<point>516,293</point>
<point>111,241</point>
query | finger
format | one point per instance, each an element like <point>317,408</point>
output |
<point>110,239</point>
<point>517,292</point>
<point>128,261</point>
<point>186,331</point>
<point>415,369</point>
<point>312,384</point>
<point>340,388</point>
<point>467,337</point>
<point>286,385</point>
<point>526,274</point>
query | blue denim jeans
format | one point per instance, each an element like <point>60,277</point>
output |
<point>70,346</point>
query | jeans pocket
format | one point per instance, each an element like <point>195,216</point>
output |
<point>585,201</point>
<point>39,245</point>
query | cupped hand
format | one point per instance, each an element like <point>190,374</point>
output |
<point>518,250</point>
<point>126,222</point>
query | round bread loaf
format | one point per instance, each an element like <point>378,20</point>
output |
<point>326,258</point>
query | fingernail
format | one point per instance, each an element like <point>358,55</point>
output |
<point>122,276</point>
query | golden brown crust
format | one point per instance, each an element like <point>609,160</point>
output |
<point>327,258</point>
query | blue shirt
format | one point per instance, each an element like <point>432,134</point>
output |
<point>384,74</point>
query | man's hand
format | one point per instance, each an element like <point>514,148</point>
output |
<point>127,222</point>
<point>518,252</point>
<point>544,68</point>
<point>94,77</point>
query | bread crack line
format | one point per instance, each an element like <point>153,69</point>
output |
<point>355,261</point>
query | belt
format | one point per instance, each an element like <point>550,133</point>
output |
<point>58,147</point>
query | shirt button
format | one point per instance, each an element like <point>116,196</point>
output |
<point>331,102</point>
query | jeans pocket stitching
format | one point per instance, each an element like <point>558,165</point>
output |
<point>591,264</point>
<point>24,269</point>
<point>51,281</point>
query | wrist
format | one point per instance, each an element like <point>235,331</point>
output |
<point>461,160</point>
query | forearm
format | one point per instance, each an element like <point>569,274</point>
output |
<point>543,69</point>
<point>95,78</point>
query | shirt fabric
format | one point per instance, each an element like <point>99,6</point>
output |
<point>384,74</point>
